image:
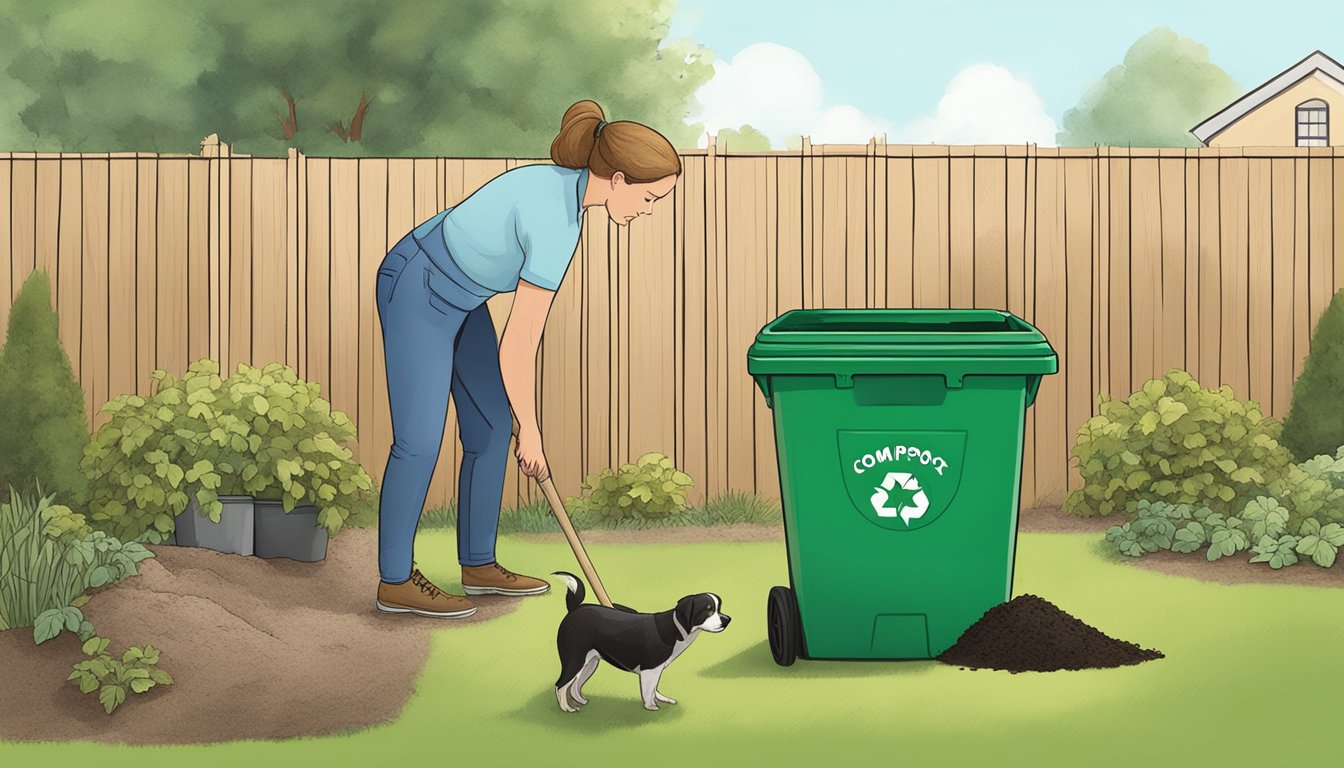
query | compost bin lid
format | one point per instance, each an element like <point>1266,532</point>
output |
<point>971,341</point>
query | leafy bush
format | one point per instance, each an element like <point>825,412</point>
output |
<point>651,488</point>
<point>261,432</point>
<point>42,413</point>
<point>1313,489</point>
<point>1315,422</point>
<point>1176,442</point>
<point>137,671</point>
<point>48,558</point>
<point>1262,528</point>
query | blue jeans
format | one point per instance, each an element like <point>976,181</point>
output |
<point>438,339</point>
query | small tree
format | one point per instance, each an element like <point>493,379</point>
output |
<point>43,426</point>
<point>1315,422</point>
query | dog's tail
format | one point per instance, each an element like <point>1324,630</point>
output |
<point>575,594</point>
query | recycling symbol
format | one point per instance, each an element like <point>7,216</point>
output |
<point>899,495</point>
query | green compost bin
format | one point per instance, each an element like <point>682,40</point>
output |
<point>898,434</point>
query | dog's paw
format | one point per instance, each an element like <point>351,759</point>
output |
<point>577,699</point>
<point>651,707</point>
<point>665,699</point>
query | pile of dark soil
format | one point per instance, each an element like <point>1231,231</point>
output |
<point>1028,634</point>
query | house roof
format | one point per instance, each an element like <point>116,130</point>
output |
<point>1316,62</point>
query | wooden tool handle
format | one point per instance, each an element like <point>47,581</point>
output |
<point>558,509</point>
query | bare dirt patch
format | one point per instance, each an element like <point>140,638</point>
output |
<point>1239,570</point>
<point>1056,520</point>
<point>258,649</point>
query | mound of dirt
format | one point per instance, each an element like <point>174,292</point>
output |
<point>1029,634</point>
<point>258,649</point>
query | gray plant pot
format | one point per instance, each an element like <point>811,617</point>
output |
<point>295,535</point>
<point>234,533</point>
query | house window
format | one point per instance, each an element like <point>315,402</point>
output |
<point>1313,124</point>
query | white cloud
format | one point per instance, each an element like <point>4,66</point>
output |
<point>775,89</point>
<point>984,104</point>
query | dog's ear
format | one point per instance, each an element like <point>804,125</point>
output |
<point>685,612</point>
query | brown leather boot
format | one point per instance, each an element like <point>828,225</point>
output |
<point>495,579</point>
<point>417,595</point>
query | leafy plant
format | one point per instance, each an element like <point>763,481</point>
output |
<point>650,488</point>
<point>261,432</point>
<point>137,671</point>
<point>1315,423</point>
<point>1179,443</point>
<point>1320,542</point>
<point>42,413</point>
<point>296,443</point>
<point>1313,489</point>
<point>49,557</point>
<point>1279,552</point>
<point>50,622</point>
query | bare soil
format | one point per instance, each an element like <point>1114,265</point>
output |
<point>258,649</point>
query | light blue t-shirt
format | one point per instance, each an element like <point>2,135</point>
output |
<point>523,224</point>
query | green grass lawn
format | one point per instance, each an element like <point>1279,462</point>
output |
<point>1251,674</point>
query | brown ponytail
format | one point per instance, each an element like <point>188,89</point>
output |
<point>636,150</point>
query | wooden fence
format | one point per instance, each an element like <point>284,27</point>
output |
<point>1131,261</point>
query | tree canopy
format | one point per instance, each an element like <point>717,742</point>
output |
<point>343,77</point>
<point>1165,86</point>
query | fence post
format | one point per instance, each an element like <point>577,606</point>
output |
<point>295,263</point>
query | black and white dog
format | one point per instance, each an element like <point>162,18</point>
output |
<point>643,643</point>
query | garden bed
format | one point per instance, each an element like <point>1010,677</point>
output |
<point>258,649</point>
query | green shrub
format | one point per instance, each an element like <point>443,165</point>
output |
<point>261,432</point>
<point>1176,442</point>
<point>48,558</point>
<point>1315,422</point>
<point>137,671</point>
<point>1320,542</point>
<point>1312,490</point>
<point>651,488</point>
<point>42,414</point>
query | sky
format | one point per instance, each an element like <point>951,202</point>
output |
<point>972,71</point>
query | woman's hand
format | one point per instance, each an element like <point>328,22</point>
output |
<point>528,451</point>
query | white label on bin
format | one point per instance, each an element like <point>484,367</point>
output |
<point>901,480</point>
<point>899,495</point>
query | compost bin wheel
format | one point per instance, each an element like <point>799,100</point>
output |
<point>786,631</point>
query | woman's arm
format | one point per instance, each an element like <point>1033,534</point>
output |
<point>518,364</point>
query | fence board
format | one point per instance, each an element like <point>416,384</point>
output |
<point>239,297</point>
<point>990,268</point>
<point>372,245</point>
<point>344,332</point>
<point>47,221</point>
<point>1171,330</point>
<point>1051,319</point>
<point>122,277</point>
<point>857,251</point>
<point>198,260</point>
<point>1320,235</point>
<point>8,279</point>
<point>68,280</point>
<point>171,266</point>
<point>317,252</point>
<point>94,342</point>
<point>1234,349</point>
<point>1121,333</point>
<point>1145,267</point>
<point>1209,371</point>
<point>1260,253</point>
<point>146,272</point>
<point>1079,311</point>
<point>1283,226</point>
<point>23,220</point>
<point>1301,305</point>
<point>961,238</point>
